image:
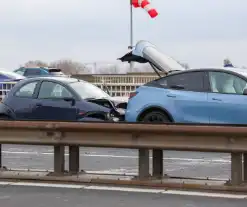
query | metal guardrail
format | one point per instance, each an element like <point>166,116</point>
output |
<point>145,137</point>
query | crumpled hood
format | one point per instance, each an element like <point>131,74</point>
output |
<point>119,99</point>
<point>145,51</point>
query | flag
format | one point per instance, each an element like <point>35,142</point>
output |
<point>145,4</point>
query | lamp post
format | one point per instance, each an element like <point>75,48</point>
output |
<point>131,33</point>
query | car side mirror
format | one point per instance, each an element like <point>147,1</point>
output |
<point>245,91</point>
<point>70,99</point>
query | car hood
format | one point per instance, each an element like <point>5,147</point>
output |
<point>117,104</point>
<point>146,52</point>
<point>119,99</point>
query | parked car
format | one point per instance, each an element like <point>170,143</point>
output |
<point>10,76</point>
<point>7,81</point>
<point>203,95</point>
<point>39,71</point>
<point>59,98</point>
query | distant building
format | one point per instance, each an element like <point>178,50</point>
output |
<point>118,84</point>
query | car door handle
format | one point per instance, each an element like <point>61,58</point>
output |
<point>171,96</point>
<point>216,99</point>
<point>38,105</point>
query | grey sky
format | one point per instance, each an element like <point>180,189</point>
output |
<point>200,32</point>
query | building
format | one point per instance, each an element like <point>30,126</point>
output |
<point>118,84</point>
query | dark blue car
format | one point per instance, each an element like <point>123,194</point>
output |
<point>59,98</point>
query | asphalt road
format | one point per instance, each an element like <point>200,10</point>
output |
<point>18,196</point>
<point>188,164</point>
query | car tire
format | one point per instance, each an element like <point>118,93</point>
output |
<point>155,117</point>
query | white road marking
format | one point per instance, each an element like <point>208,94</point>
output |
<point>47,185</point>
<point>204,194</point>
<point>124,157</point>
<point>126,189</point>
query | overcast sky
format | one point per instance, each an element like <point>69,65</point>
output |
<point>200,32</point>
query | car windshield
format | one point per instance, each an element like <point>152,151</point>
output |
<point>88,91</point>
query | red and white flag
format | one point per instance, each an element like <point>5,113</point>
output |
<point>145,4</point>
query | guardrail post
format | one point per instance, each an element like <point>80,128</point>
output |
<point>143,163</point>
<point>1,156</point>
<point>236,168</point>
<point>74,159</point>
<point>157,163</point>
<point>245,166</point>
<point>59,159</point>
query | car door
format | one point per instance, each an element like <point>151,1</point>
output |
<point>54,102</point>
<point>23,100</point>
<point>187,97</point>
<point>227,103</point>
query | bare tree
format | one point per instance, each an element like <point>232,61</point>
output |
<point>68,66</point>
<point>35,63</point>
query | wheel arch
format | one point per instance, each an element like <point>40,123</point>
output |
<point>154,108</point>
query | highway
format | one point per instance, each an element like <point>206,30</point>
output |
<point>22,196</point>
<point>186,164</point>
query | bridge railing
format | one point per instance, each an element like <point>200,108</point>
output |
<point>144,137</point>
<point>5,87</point>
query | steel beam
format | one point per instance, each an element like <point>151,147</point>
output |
<point>74,159</point>
<point>245,166</point>
<point>157,163</point>
<point>143,164</point>
<point>59,159</point>
<point>236,169</point>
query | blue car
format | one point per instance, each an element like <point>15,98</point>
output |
<point>59,98</point>
<point>204,95</point>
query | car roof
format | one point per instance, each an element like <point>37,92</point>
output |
<point>240,71</point>
<point>55,78</point>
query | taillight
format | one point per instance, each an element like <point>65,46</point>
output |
<point>132,94</point>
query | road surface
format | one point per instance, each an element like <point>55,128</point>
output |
<point>22,196</point>
<point>188,164</point>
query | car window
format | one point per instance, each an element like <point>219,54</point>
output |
<point>189,81</point>
<point>51,90</point>
<point>221,82</point>
<point>32,71</point>
<point>20,71</point>
<point>27,90</point>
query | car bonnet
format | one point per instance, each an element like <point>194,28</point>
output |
<point>146,52</point>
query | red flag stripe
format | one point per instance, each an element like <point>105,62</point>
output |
<point>135,3</point>
<point>145,4</point>
<point>150,10</point>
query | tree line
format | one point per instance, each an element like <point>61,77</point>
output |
<point>74,67</point>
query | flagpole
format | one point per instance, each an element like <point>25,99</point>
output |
<point>131,33</point>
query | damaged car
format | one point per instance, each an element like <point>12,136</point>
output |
<point>61,99</point>
<point>216,95</point>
